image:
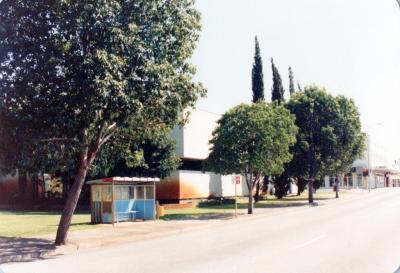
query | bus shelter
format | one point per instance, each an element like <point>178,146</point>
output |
<point>118,199</point>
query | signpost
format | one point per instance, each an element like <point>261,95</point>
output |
<point>236,180</point>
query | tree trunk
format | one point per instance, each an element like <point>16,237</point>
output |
<point>250,186</point>
<point>257,195</point>
<point>251,204</point>
<point>34,179</point>
<point>310,192</point>
<point>72,201</point>
<point>85,161</point>
<point>337,187</point>
<point>22,176</point>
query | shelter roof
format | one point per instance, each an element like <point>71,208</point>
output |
<point>124,180</point>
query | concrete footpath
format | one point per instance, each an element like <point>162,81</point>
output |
<point>29,249</point>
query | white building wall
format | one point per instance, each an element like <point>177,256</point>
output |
<point>228,186</point>
<point>195,184</point>
<point>197,133</point>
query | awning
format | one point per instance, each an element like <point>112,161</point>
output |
<point>117,179</point>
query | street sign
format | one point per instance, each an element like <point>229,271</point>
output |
<point>237,179</point>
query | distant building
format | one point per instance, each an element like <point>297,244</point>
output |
<point>372,171</point>
<point>192,146</point>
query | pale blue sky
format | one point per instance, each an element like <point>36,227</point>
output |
<point>351,47</point>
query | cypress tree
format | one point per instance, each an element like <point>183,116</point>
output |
<point>277,88</point>
<point>291,81</point>
<point>257,75</point>
<point>299,87</point>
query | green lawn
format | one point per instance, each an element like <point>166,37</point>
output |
<point>30,223</point>
<point>211,210</point>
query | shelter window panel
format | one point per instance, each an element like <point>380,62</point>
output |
<point>149,192</point>
<point>107,194</point>
<point>140,192</point>
<point>96,193</point>
<point>132,193</point>
<point>121,193</point>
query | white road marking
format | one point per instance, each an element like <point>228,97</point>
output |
<point>310,242</point>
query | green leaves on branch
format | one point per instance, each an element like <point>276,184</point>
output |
<point>252,139</point>
<point>330,136</point>
<point>67,67</point>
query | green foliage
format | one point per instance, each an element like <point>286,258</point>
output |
<point>96,66</point>
<point>278,92</point>
<point>252,139</point>
<point>299,89</point>
<point>282,184</point>
<point>292,89</point>
<point>154,156</point>
<point>329,137</point>
<point>350,139</point>
<point>257,75</point>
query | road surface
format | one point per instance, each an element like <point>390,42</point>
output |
<point>360,234</point>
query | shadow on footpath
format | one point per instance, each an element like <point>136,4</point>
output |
<point>24,249</point>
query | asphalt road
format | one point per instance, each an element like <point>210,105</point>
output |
<point>360,234</point>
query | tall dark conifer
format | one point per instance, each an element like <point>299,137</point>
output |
<point>257,75</point>
<point>277,88</point>
<point>292,89</point>
<point>299,87</point>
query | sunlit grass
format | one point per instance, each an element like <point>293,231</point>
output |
<point>204,208</point>
<point>33,223</point>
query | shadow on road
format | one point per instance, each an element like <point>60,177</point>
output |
<point>24,249</point>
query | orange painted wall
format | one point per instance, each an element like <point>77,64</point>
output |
<point>168,190</point>
<point>188,191</point>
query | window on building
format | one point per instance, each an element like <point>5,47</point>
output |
<point>360,180</point>
<point>191,165</point>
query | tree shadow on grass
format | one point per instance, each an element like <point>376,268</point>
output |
<point>265,204</point>
<point>197,216</point>
<point>24,249</point>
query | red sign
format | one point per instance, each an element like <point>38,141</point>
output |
<point>237,179</point>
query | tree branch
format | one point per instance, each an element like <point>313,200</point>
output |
<point>56,139</point>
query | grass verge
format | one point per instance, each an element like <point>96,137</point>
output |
<point>34,223</point>
<point>211,210</point>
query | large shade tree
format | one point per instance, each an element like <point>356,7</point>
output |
<point>78,73</point>
<point>317,114</point>
<point>254,141</point>
<point>351,140</point>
